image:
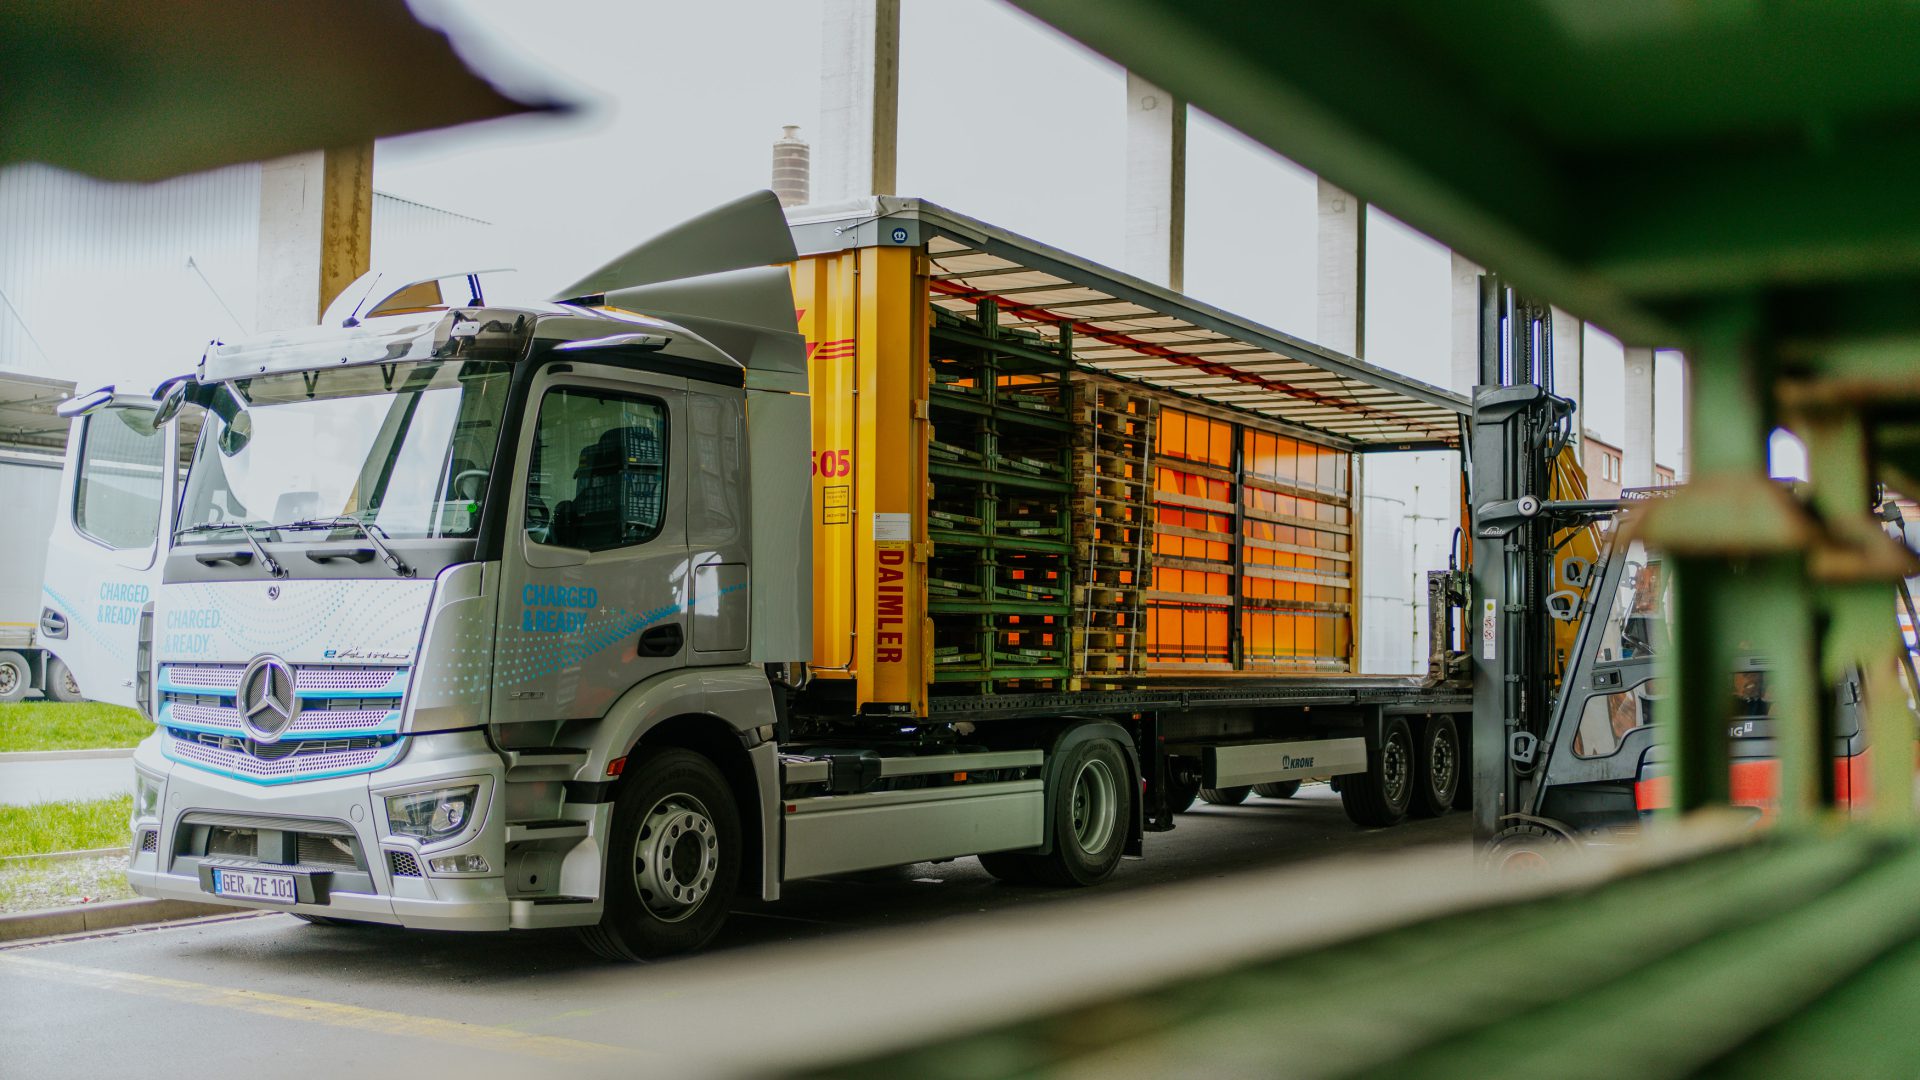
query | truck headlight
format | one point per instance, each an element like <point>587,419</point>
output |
<point>146,796</point>
<point>431,815</point>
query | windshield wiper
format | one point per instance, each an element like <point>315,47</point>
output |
<point>266,560</point>
<point>374,534</point>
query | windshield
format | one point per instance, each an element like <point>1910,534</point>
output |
<point>404,448</point>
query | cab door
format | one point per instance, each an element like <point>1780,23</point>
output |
<point>119,489</point>
<point>594,575</point>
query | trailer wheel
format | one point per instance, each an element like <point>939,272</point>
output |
<point>1225,796</point>
<point>1091,815</point>
<point>16,678</point>
<point>673,859</point>
<point>1280,789</point>
<point>1439,768</point>
<point>61,685</point>
<point>1379,797</point>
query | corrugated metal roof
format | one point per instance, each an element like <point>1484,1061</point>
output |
<point>1133,329</point>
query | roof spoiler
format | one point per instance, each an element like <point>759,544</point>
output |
<point>720,275</point>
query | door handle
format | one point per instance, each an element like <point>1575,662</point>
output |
<point>661,641</point>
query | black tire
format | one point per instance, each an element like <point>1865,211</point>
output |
<point>1437,781</point>
<point>1379,797</point>
<point>1226,796</point>
<point>673,859</point>
<point>16,677</point>
<point>60,683</point>
<point>1526,848</point>
<point>1092,814</point>
<point>1279,789</point>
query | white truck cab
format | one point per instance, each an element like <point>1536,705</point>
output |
<point>437,563</point>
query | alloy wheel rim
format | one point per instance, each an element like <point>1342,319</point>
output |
<point>1445,760</point>
<point>1093,809</point>
<point>676,857</point>
<point>1393,769</point>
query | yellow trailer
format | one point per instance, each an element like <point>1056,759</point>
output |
<point>1033,476</point>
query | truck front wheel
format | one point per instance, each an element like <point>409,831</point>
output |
<point>673,859</point>
<point>61,685</point>
<point>1092,813</point>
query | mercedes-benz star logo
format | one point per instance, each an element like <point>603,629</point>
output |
<point>268,703</point>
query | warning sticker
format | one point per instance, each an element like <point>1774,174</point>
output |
<point>893,527</point>
<point>836,505</point>
<point>1489,629</point>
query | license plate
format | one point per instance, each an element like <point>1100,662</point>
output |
<point>254,885</point>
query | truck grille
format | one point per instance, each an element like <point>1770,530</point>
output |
<point>286,760</point>
<point>307,678</point>
<point>402,864</point>
<point>349,722</point>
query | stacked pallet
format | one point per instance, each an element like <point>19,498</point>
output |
<point>1112,527</point>
<point>999,514</point>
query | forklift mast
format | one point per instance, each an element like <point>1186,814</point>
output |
<point>1520,428</point>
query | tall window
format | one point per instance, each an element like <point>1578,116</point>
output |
<point>598,478</point>
<point>122,462</point>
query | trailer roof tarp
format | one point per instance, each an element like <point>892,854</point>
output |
<point>1134,329</point>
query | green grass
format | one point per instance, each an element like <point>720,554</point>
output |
<point>49,725</point>
<point>44,828</point>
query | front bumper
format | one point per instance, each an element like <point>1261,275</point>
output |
<point>349,808</point>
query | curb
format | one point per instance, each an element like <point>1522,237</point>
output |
<point>62,856</point>
<point>23,757</point>
<point>102,916</point>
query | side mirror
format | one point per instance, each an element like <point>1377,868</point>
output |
<point>172,398</point>
<point>84,404</point>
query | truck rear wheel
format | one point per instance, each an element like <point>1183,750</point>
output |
<point>16,678</point>
<point>1279,789</point>
<point>1092,813</point>
<point>1439,763</point>
<point>61,685</point>
<point>673,860</point>
<point>1225,796</point>
<point>1379,797</point>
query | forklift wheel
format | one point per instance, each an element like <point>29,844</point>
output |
<point>1526,848</point>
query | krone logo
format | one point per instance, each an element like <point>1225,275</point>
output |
<point>268,702</point>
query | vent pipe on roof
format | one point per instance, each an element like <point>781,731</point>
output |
<point>792,167</point>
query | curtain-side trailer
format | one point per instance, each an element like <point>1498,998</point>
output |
<point>768,551</point>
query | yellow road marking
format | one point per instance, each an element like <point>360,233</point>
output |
<point>471,1036</point>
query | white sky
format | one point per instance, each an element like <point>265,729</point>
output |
<point>1001,118</point>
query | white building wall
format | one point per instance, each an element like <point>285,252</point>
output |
<point>126,283</point>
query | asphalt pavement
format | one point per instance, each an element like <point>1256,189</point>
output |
<point>839,964</point>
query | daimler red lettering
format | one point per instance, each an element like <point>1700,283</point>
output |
<point>890,605</point>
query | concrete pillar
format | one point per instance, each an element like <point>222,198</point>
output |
<point>1636,456</point>
<point>1570,367</point>
<point>1466,323</point>
<point>1156,215</point>
<point>316,232</point>
<point>1342,271</point>
<point>858,148</point>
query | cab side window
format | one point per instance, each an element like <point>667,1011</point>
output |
<point>122,464</point>
<point>598,476</point>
